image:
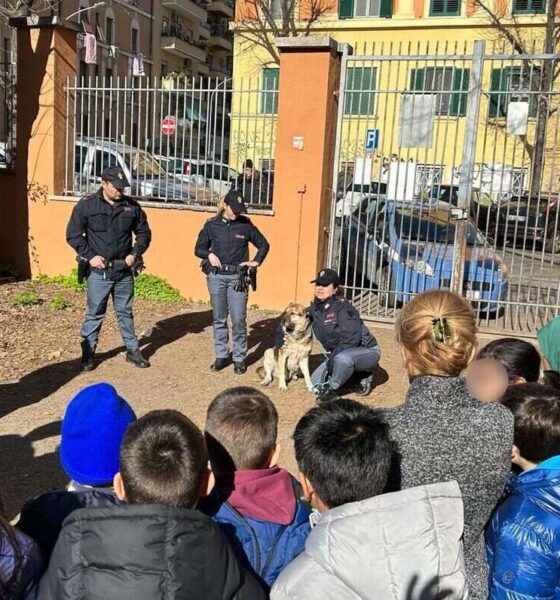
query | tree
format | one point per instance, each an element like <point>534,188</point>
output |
<point>544,72</point>
<point>260,22</point>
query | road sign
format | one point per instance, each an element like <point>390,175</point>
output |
<point>168,125</point>
<point>372,139</point>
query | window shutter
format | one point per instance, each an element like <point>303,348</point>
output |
<point>417,77</point>
<point>446,7</point>
<point>386,9</point>
<point>520,5</point>
<point>345,9</point>
<point>497,105</point>
<point>459,100</point>
<point>453,7</point>
<point>269,102</point>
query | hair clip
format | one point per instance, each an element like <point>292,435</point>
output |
<point>440,329</point>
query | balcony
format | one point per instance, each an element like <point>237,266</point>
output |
<point>177,41</point>
<point>221,7</point>
<point>204,30</point>
<point>220,38</point>
<point>192,9</point>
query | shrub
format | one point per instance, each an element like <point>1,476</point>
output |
<point>152,287</point>
<point>25,299</point>
<point>66,281</point>
<point>59,302</point>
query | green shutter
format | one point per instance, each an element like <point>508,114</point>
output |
<point>417,80</point>
<point>359,92</point>
<point>528,6</point>
<point>458,107</point>
<point>445,7</point>
<point>345,9</point>
<point>497,105</point>
<point>386,9</point>
<point>269,102</point>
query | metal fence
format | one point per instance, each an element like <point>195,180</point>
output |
<point>180,142</point>
<point>447,176</point>
<point>7,115</point>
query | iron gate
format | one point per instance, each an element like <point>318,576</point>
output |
<point>446,176</point>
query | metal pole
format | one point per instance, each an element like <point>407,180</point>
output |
<point>467,167</point>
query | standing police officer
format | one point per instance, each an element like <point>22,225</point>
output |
<point>100,231</point>
<point>223,244</point>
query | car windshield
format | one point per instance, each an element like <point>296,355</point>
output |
<point>445,193</point>
<point>145,165</point>
<point>432,226</point>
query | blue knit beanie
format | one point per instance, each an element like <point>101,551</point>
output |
<point>92,431</point>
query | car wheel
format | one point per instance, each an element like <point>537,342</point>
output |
<point>553,243</point>
<point>386,288</point>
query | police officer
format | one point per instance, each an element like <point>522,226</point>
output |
<point>223,244</point>
<point>100,231</point>
<point>351,350</point>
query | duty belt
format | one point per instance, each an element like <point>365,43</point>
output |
<point>229,269</point>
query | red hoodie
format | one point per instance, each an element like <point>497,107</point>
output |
<point>265,494</point>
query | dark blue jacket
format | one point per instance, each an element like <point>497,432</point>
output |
<point>263,547</point>
<point>523,539</point>
<point>42,517</point>
<point>19,581</point>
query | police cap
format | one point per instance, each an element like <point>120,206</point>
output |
<point>326,277</point>
<point>116,176</point>
<point>234,200</point>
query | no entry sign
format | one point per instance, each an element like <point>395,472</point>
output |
<point>168,126</point>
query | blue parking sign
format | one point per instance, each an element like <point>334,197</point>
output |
<point>372,139</point>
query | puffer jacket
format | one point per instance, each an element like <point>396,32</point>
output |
<point>144,552</point>
<point>523,539</point>
<point>399,546</point>
<point>19,577</point>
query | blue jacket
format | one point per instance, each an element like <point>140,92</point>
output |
<point>523,540</point>
<point>264,547</point>
<point>23,584</point>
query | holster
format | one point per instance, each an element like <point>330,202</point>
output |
<point>84,269</point>
<point>207,267</point>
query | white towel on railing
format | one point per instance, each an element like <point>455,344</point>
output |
<point>91,49</point>
<point>138,65</point>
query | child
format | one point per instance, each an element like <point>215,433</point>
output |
<point>367,545</point>
<point>156,545</point>
<point>548,338</point>
<point>20,563</point>
<point>255,502</point>
<point>93,427</point>
<point>523,540</point>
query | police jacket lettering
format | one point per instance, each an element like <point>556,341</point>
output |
<point>229,240</point>
<point>97,228</point>
<point>338,325</point>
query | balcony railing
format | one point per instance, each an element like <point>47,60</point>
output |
<point>176,31</point>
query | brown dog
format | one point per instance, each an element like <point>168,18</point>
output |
<point>292,358</point>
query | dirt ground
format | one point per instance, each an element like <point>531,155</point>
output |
<point>39,374</point>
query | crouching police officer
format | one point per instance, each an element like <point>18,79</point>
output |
<point>352,351</point>
<point>223,244</point>
<point>100,231</point>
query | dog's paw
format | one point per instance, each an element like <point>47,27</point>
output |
<point>266,382</point>
<point>282,386</point>
<point>311,389</point>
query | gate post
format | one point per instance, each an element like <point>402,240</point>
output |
<point>467,168</point>
<point>307,116</point>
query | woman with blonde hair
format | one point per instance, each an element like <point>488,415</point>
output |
<point>442,433</point>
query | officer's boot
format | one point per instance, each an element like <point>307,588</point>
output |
<point>87,362</point>
<point>135,357</point>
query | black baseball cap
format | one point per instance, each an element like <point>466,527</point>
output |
<point>116,176</point>
<point>326,277</point>
<point>234,200</point>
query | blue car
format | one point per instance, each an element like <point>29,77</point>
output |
<point>405,248</point>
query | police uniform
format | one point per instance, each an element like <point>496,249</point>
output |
<point>229,241</point>
<point>98,227</point>
<point>350,346</point>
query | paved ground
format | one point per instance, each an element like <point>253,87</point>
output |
<point>178,341</point>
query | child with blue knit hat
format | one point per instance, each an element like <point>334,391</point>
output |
<point>93,427</point>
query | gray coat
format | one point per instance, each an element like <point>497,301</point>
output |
<point>387,547</point>
<point>442,433</point>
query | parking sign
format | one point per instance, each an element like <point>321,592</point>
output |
<point>372,139</point>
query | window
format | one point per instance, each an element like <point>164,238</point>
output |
<point>275,8</point>
<point>134,40</point>
<point>109,30</point>
<point>450,85</point>
<point>445,7</point>
<point>82,72</point>
<point>528,6</point>
<point>6,57</point>
<point>512,84</point>
<point>108,77</point>
<point>164,69</point>
<point>365,8</point>
<point>269,99</point>
<point>359,92</point>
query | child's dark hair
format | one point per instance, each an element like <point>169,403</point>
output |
<point>520,358</point>
<point>163,460</point>
<point>536,411</point>
<point>241,430</point>
<point>14,578</point>
<point>551,379</point>
<point>343,448</point>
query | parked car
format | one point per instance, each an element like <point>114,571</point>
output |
<point>531,218</point>
<point>148,179</point>
<point>406,248</point>
<point>215,175</point>
<point>359,195</point>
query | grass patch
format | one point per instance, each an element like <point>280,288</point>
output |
<point>25,299</point>
<point>69,281</point>
<point>59,302</point>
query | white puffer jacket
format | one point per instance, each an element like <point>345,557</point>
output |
<point>405,545</point>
